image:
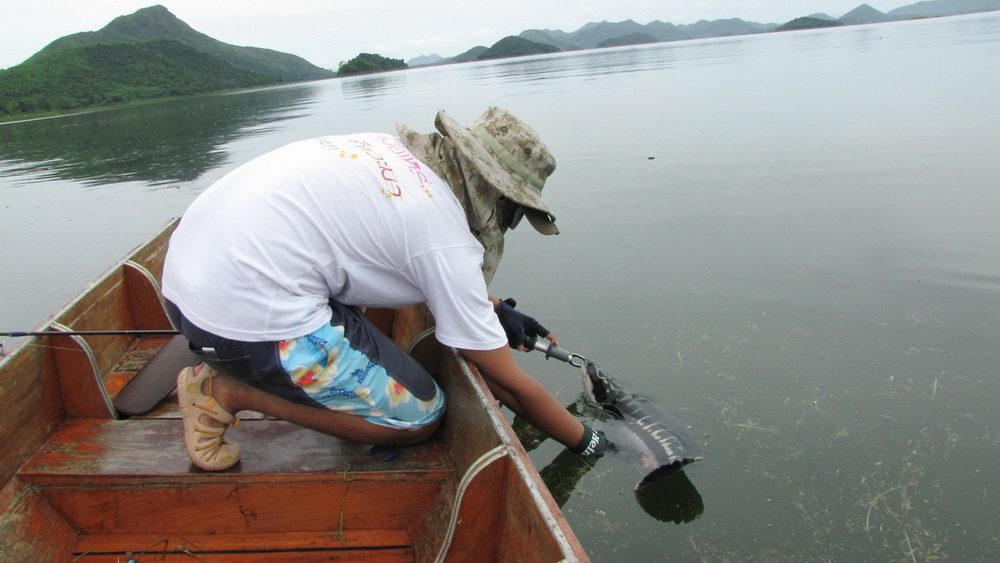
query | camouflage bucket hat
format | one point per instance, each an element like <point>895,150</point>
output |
<point>508,155</point>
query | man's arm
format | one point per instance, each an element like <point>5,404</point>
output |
<point>525,396</point>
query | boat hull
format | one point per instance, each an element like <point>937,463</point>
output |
<point>83,480</point>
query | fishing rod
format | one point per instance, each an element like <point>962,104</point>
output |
<point>137,332</point>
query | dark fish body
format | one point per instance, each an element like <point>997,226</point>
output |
<point>662,442</point>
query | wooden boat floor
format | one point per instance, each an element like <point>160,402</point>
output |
<point>128,487</point>
<point>376,546</point>
<point>99,452</point>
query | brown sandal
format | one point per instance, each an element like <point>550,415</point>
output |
<point>206,445</point>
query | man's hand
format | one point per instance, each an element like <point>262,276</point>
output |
<point>520,327</point>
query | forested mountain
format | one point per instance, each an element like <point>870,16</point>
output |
<point>630,39</point>
<point>864,14</point>
<point>367,63</point>
<point>808,22</point>
<point>149,54</point>
<point>468,56</point>
<point>512,46</point>
<point>157,22</point>
<point>107,73</point>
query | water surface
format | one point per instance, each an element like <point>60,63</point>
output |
<point>789,241</point>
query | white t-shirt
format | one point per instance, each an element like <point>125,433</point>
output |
<point>355,218</point>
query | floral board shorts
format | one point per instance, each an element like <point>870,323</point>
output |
<point>331,371</point>
<point>348,366</point>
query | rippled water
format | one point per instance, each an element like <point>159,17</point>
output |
<point>789,241</point>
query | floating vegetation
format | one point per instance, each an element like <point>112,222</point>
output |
<point>895,516</point>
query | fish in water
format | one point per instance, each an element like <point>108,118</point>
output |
<point>663,443</point>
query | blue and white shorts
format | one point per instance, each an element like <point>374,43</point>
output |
<point>348,366</point>
<point>337,374</point>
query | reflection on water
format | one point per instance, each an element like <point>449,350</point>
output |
<point>669,497</point>
<point>373,86</point>
<point>600,63</point>
<point>672,498</point>
<point>591,63</point>
<point>145,142</point>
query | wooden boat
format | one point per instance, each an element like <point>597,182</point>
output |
<point>83,482</point>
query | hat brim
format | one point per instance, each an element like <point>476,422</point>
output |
<point>541,221</point>
<point>491,170</point>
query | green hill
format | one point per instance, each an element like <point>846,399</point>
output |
<point>808,22</point>
<point>106,73</point>
<point>468,56</point>
<point>513,46</point>
<point>149,54</point>
<point>630,39</point>
<point>367,63</point>
<point>157,22</point>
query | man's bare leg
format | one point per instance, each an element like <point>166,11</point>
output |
<point>234,395</point>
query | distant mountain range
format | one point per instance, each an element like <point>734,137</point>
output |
<point>628,32</point>
<point>152,54</point>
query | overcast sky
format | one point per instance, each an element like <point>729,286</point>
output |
<point>326,32</point>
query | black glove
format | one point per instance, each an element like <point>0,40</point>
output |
<point>593,444</point>
<point>518,326</point>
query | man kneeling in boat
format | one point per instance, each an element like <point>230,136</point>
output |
<point>269,268</point>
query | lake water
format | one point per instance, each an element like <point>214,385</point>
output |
<point>789,241</point>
